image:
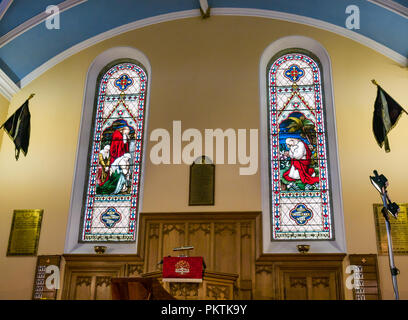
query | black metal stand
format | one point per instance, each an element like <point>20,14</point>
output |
<point>393,268</point>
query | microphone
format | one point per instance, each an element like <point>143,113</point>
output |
<point>183,248</point>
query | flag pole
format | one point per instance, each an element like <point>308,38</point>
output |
<point>376,83</point>
<point>29,98</point>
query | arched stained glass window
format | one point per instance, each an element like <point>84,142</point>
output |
<point>115,163</point>
<point>300,201</point>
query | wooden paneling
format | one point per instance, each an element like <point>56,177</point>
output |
<point>215,286</point>
<point>227,241</point>
<point>200,235</point>
<point>299,277</point>
<point>88,277</point>
<point>309,285</point>
<point>231,243</point>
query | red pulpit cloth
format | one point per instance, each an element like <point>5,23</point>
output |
<point>183,269</point>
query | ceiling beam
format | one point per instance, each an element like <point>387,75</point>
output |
<point>31,23</point>
<point>4,5</point>
<point>393,6</point>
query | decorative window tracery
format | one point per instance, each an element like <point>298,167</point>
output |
<point>115,163</point>
<point>299,180</point>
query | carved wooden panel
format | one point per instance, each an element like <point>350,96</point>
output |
<point>226,244</point>
<point>229,242</point>
<point>88,286</point>
<point>218,292</point>
<point>295,287</point>
<point>81,287</point>
<point>173,235</point>
<point>299,277</point>
<point>152,233</point>
<point>264,286</point>
<point>88,277</point>
<point>103,287</point>
<point>200,235</point>
<point>185,291</point>
<point>323,286</point>
<point>134,270</point>
<point>215,286</point>
<point>309,286</point>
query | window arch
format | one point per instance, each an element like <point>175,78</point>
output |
<point>107,194</point>
<point>112,191</point>
<point>301,192</point>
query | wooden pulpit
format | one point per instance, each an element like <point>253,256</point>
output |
<point>138,289</point>
<point>214,286</point>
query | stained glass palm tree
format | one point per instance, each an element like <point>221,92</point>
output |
<point>305,127</point>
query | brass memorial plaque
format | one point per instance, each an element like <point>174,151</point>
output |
<point>201,184</point>
<point>399,230</point>
<point>25,233</point>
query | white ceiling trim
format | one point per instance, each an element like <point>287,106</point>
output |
<point>4,7</point>
<point>7,87</point>
<point>221,12</point>
<point>34,21</point>
<point>392,6</point>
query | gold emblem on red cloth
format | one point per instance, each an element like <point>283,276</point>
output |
<point>182,267</point>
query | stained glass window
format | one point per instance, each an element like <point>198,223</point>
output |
<point>299,180</point>
<point>112,191</point>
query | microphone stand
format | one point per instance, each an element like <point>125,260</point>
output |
<point>394,270</point>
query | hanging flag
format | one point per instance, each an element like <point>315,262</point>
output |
<point>18,129</point>
<point>386,114</point>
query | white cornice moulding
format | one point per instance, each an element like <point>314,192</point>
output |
<point>7,87</point>
<point>392,6</point>
<point>31,23</point>
<point>221,12</point>
<point>4,7</point>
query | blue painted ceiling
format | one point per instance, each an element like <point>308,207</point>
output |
<point>22,10</point>
<point>402,2</point>
<point>36,46</point>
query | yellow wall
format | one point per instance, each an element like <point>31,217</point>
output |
<point>4,104</point>
<point>206,74</point>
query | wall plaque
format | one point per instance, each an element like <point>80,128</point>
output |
<point>201,191</point>
<point>366,279</point>
<point>399,231</point>
<point>40,290</point>
<point>25,233</point>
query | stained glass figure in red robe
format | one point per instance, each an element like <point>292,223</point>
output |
<point>300,169</point>
<point>120,143</point>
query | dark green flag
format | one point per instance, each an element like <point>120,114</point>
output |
<point>386,114</point>
<point>18,129</point>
